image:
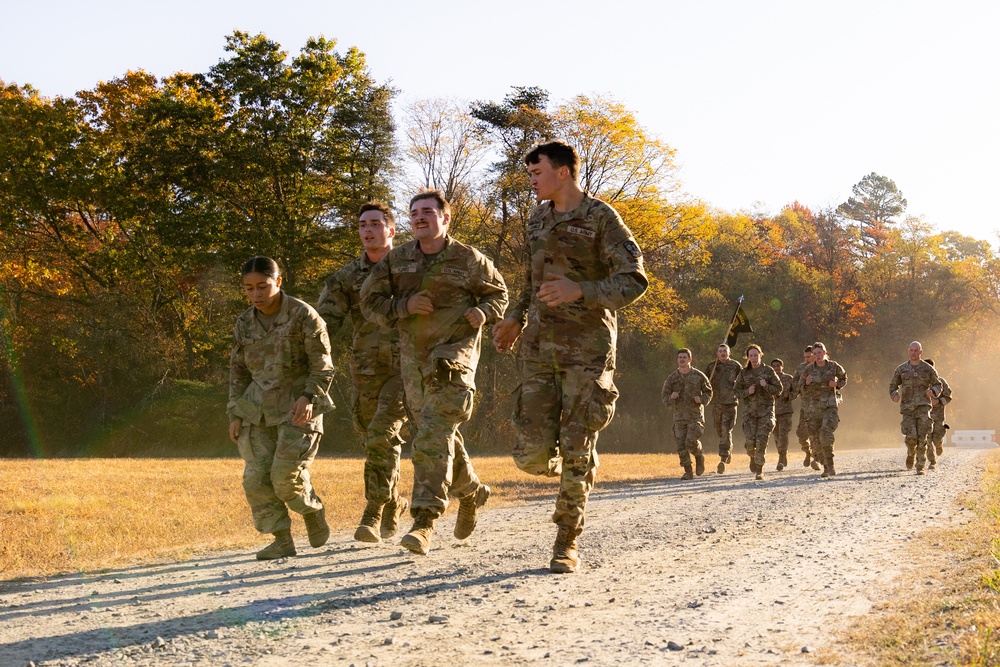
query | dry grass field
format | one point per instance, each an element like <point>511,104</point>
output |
<point>925,625</point>
<point>69,515</point>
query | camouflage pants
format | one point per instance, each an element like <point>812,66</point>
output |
<point>276,474</point>
<point>757,430</point>
<point>687,435</point>
<point>558,413</point>
<point>822,423</point>
<point>378,412</point>
<point>802,431</point>
<point>724,418</point>
<point>441,465</point>
<point>916,426</point>
<point>782,429</point>
<point>938,433</point>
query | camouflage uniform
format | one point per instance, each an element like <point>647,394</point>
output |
<point>439,353</point>
<point>724,402</point>
<point>910,382</point>
<point>377,387</point>
<point>758,407</point>
<point>802,430</point>
<point>937,416</point>
<point>689,417</point>
<point>823,406</point>
<point>783,413</point>
<point>268,371</point>
<point>567,352</point>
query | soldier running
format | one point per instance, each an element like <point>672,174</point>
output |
<point>582,264</point>
<point>377,387</point>
<point>687,391</point>
<point>438,293</point>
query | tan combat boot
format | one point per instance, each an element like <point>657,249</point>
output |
<point>418,540</point>
<point>368,530</point>
<point>782,461</point>
<point>699,465</point>
<point>909,461</point>
<point>317,528</point>
<point>282,547</point>
<point>467,508</point>
<point>688,472</point>
<point>565,558</point>
<point>808,460</point>
<point>391,514</point>
<point>721,468</point>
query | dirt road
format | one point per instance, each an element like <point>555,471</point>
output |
<point>721,570</point>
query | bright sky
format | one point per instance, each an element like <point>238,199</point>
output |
<point>766,102</point>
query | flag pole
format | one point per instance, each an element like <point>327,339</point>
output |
<point>732,321</point>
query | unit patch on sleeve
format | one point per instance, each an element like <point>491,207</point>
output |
<point>632,248</point>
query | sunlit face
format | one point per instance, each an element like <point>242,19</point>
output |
<point>722,353</point>
<point>778,368</point>
<point>808,356</point>
<point>915,350</point>
<point>263,291</point>
<point>545,178</point>
<point>427,221</point>
<point>374,232</point>
<point>683,360</point>
<point>819,354</point>
<point>753,354</point>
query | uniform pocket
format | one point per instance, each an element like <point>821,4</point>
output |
<point>515,414</point>
<point>601,408</point>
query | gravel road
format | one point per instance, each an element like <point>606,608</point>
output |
<point>721,570</point>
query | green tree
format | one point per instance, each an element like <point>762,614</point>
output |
<point>875,204</point>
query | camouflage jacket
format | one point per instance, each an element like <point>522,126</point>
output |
<point>911,382</point>
<point>937,411</point>
<point>783,403</point>
<point>761,401</point>
<point>818,393</point>
<point>724,380</point>
<point>798,384</point>
<point>270,370</point>
<point>374,348</point>
<point>688,386</point>
<point>592,246</point>
<point>458,277</point>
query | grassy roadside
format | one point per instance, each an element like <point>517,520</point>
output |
<point>86,514</point>
<point>956,619</point>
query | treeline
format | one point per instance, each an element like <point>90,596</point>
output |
<point>126,210</point>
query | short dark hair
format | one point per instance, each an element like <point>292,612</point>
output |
<point>390,219</point>
<point>432,193</point>
<point>559,153</point>
<point>686,351</point>
<point>263,265</point>
<point>777,360</point>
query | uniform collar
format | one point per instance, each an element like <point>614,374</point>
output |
<point>580,211</point>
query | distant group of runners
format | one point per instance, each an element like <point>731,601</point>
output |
<point>767,392</point>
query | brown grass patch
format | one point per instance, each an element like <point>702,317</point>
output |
<point>956,620</point>
<point>86,514</point>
